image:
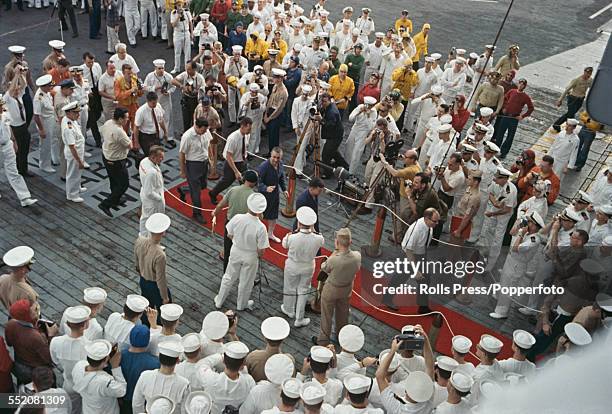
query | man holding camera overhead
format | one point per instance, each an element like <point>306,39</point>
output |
<point>253,105</point>
<point>160,82</point>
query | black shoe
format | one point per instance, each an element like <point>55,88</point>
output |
<point>423,309</point>
<point>364,162</point>
<point>63,179</point>
<point>199,219</point>
<point>364,211</point>
<point>181,194</point>
<point>105,209</point>
<point>314,340</point>
<point>75,35</point>
<point>213,199</point>
<point>133,46</point>
<point>171,144</point>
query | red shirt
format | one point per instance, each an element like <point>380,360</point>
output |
<point>515,101</point>
<point>460,119</point>
<point>368,90</point>
<point>30,345</point>
<point>525,188</point>
<point>219,10</point>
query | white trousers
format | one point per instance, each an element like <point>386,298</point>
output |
<point>354,149</point>
<point>182,44</point>
<point>58,150</point>
<point>296,285</point>
<point>83,121</point>
<point>386,86</point>
<point>112,39</point>
<point>242,266</point>
<point>148,11</point>
<point>544,272</point>
<point>147,210</point>
<point>38,3</point>
<point>7,156</point>
<point>413,112</point>
<point>132,24</point>
<point>300,160</point>
<point>73,176</point>
<point>233,102</point>
<point>45,145</point>
<point>166,103</point>
<point>426,144</point>
<point>419,137</point>
<point>511,275</point>
<point>492,236</point>
<point>255,139</point>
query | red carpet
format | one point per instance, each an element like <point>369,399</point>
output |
<point>458,323</point>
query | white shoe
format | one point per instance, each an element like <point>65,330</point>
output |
<point>217,306</point>
<point>48,170</point>
<point>173,72</point>
<point>76,200</point>
<point>274,238</point>
<point>250,305</point>
<point>86,165</point>
<point>527,312</point>
<point>87,154</point>
<point>289,314</point>
<point>301,322</point>
<point>496,315</point>
<point>28,202</point>
<point>83,189</point>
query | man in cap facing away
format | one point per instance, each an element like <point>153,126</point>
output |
<point>135,360</point>
<point>289,396</point>
<point>318,361</point>
<point>274,330</point>
<point>119,325</point>
<point>250,239</point>
<point>93,298</point>
<point>266,394</point>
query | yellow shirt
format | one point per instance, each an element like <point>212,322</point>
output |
<point>281,45</point>
<point>256,48</point>
<point>170,5</point>
<point>405,81</point>
<point>341,89</point>
<point>589,123</point>
<point>401,22</point>
<point>420,42</point>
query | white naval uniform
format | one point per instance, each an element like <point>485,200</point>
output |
<point>413,112</point>
<point>248,236</point>
<point>514,269</point>
<point>81,94</point>
<point>334,389</point>
<point>533,203</point>
<point>365,26</point>
<point>453,83</point>
<point>564,150</point>
<point>94,330</point>
<point>209,347</point>
<point>99,390</point>
<point>363,123</point>
<point>346,363</point>
<point>430,137</point>
<point>393,405</point>
<point>43,107</point>
<point>148,11</point>
<point>206,38</point>
<point>601,190</point>
<point>72,135</point>
<point>189,371</point>
<point>374,55</point>
<point>117,330</point>
<point>132,20</point>
<point>429,109</point>
<point>598,232</point>
<point>154,83</point>
<point>349,409</point>
<point>8,159</point>
<point>153,383</point>
<point>181,36</point>
<point>299,118</point>
<point>389,64</point>
<point>312,59</point>
<point>482,372</point>
<point>439,154</point>
<point>488,169</point>
<point>585,219</point>
<point>525,368</point>
<point>225,391</point>
<point>494,228</point>
<point>440,394</point>
<point>65,353</point>
<point>237,69</point>
<point>157,338</point>
<point>151,192</point>
<point>463,407</point>
<point>256,115</point>
<point>327,27</point>
<point>417,362</point>
<point>263,396</point>
<point>302,248</point>
<point>120,62</point>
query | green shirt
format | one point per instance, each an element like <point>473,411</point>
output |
<point>354,70</point>
<point>334,69</point>
<point>198,7</point>
<point>236,199</point>
<point>232,19</point>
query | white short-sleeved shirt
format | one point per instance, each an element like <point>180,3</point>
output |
<point>302,248</point>
<point>506,193</point>
<point>106,84</point>
<point>144,119</point>
<point>16,110</point>
<point>248,233</point>
<point>195,146</point>
<point>234,145</point>
<point>72,135</point>
<point>417,237</point>
<point>43,104</point>
<point>456,180</point>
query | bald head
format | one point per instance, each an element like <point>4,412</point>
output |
<point>410,157</point>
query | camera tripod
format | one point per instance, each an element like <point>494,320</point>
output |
<point>337,204</point>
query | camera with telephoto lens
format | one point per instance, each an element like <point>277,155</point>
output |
<point>313,110</point>
<point>524,222</point>
<point>439,169</point>
<point>519,160</point>
<point>535,176</point>
<point>411,341</point>
<point>254,104</point>
<point>164,87</point>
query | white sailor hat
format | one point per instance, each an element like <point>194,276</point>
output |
<point>275,328</point>
<point>473,55</point>
<point>256,15</point>
<point>379,34</point>
<point>172,349</point>
<point>18,256</point>
<point>278,368</point>
<point>570,214</point>
<point>491,147</point>
<point>77,314</point>
<point>235,349</point>
<point>292,387</point>
<point>171,312</point>
<point>461,344</point>
<point>324,85</point>
<point>44,80</point>
<point>16,49</point>
<point>604,301</point>
<point>312,393</point>
<point>444,128</point>
<point>523,339</point>
<point>57,44</point>
<point>215,325</point>
<point>436,56</point>
<point>351,337</point>
<point>257,203</point>
<point>419,387</point>
<point>537,218</point>
<point>429,59</point>
<point>490,343</point>
<point>486,111</point>
<point>273,52</point>
<point>502,172</point>
<point>357,383</point>
<point>160,404</point>
<point>446,363</point>
<point>583,197</point>
<point>306,21</point>
<point>468,148</point>
<point>277,9</point>
<point>72,107</point>
<point>198,402</point>
<point>298,9</point>
<point>460,51</point>
<point>323,13</point>
<point>157,223</point>
<point>237,49</point>
<point>306,89</point>
<point>395,362</point>
<point>159,63</point>
<point>461,382</point>
<point>605,209</point>
<point>191,342</point>
<point>98,349</point>
<point>488,387</point>
<point>369,100</point>
<point>253,87</point>
<point>591,266</point>
<point>355,32</point>
<point>321,354</point>
<point>257,67</point>
<point>278,72</point>
<point>460,60</point>
<point>446,119</point>
<point>136,303</point>
<point>437,89</point>
<point>306,216</point>
<point>297,47</point>
<point>577,334</point>
<point>204,16</point>
<point>572,122</point>
<point>490,47</point>
<point>347,9</point>
<point>94,295</point>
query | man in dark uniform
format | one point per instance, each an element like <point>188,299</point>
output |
<point>271,177</point>
<point>310,198</point>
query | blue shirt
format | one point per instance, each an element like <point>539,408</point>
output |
<point>132,365</point>
<point>305,199</point>
<point>236,39</point>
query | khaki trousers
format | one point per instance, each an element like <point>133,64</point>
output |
<point>334,303</point>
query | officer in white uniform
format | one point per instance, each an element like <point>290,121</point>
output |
<point>148,11</point>
<point>580,205</point>
<point>392,59</point>
<point>227,391</point>
<point>182,35</point>
<point>151,190</point>
<point>118,325</point>
<point>163,381</point>
<point>160,82</point>
<point>460,348</point>
<point>364,118</point>
<point>253,105</point>
<point>302,247</point>
<point>8,159</point>
<point>601,190</point>
<point>373,55</point>
<point>68,349</point>
<point>170,314</point>
<point>250,239</point>
<point>94,298</point>
<point>427,79</point>
<point>198,402</point>
<point>522,341</point>
<point>537,202</point>
<point>502,200</point>
<point>565,149</point>
<point>44,117</point>
<point>266,394</point>
<point>214,328</point>
<point>82,89</point>
<point>365,24</point>
<point>459,386</point>
<point>132,20</point>
<point>98,389</point>
<point>74,151</point>
<point>453,80</point>
<point>601,226</point>
<point>522,252</point>
<point>351,339</point>
<point>187,368</point>
<point>300,113</point>
<point>318,361</point>
<point>236,66</point>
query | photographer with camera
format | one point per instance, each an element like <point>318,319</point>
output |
<point>529,174</point>
<point>191,84</point>
<point>364,120</point>
<point>257,77</point>
<point>302,109</point>
<point>215,92</point>
<point>253,105</point>
<point>182,35</point>
<point>206,32</point>
<point>235,67</point>
<point>420,196</point>
<point>160,82</point>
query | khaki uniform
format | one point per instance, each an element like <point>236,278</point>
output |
<point>256,362</point>
<point>11,291</point>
